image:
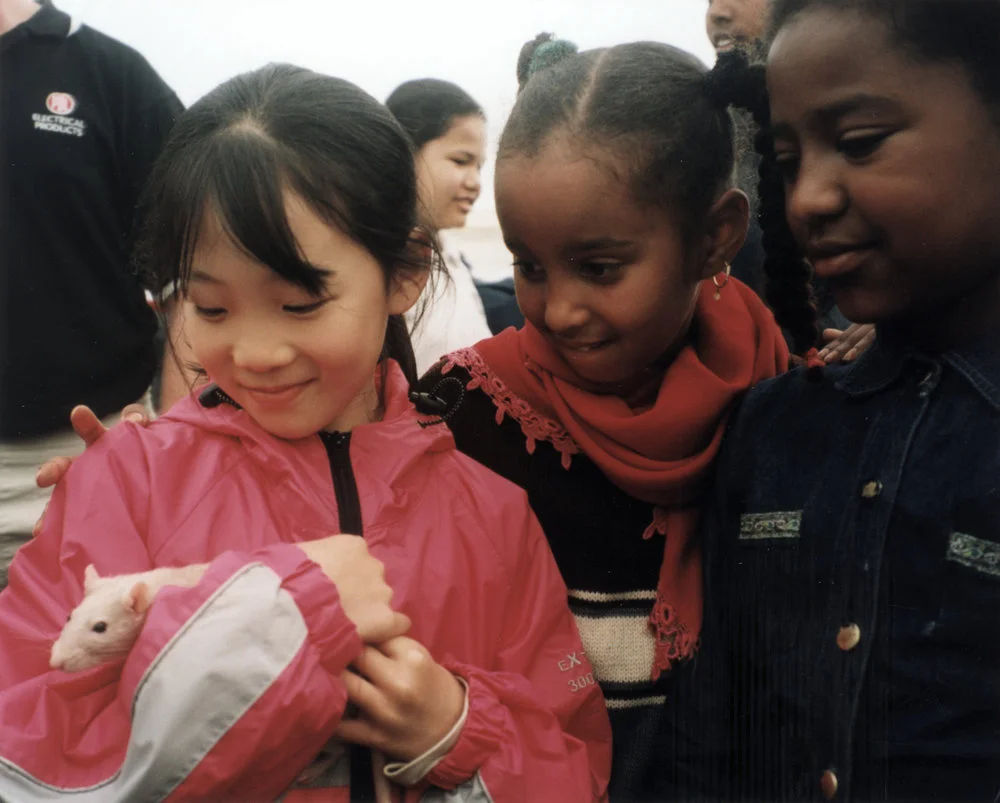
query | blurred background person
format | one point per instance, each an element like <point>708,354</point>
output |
<point>737,24</point>
<point>84,116</point>
<point>448,130</point>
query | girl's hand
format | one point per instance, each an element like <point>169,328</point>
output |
<point>407,702</point>
<point>847,345</point>
<point>90,429</point>
<point>360,580</point>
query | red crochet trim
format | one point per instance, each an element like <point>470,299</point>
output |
<point>534,426</point>
<point>673,640</point>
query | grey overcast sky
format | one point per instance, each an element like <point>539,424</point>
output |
<point>197,44</point>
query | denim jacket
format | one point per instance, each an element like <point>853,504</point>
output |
<point>851,647</point>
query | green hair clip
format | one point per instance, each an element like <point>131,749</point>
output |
<point>551,53</point>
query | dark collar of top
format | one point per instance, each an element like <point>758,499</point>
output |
<point>886,361</point>
<point>48,21</point>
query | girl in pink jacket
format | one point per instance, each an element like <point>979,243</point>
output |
<point>283,207</point>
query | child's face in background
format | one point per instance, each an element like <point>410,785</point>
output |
<point>892,169</point>
<point>296,363</point>
<point>606,281</point>
<point>448,172</point>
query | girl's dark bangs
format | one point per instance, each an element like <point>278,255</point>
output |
<point>247,191</point>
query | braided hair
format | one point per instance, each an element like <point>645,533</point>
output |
<point>789,290</point>
<point>672,121</point>
<point>644,101</point>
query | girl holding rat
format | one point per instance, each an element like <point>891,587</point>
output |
<point>852,640</point>
<point>284,209</point>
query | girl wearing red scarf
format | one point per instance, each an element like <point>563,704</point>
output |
<point>614,188</point>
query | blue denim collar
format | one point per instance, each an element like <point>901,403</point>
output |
<point>888,359</point>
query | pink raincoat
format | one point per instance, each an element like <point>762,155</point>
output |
<point>233,686</point>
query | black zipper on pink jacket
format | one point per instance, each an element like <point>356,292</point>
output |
<point>338,451</point>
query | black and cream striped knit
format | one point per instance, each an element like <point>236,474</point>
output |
<point>596,533</point>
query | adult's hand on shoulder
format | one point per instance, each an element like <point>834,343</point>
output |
<point>90,429</point>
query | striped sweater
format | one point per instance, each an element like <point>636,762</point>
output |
<point>596,533</point>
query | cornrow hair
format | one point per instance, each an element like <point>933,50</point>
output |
<point>643,103</point>
<point>788,290</point>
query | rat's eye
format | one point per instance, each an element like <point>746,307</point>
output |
<point>100,627</point>
<point>70,616</point>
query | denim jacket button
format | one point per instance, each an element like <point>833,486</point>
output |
<point>871,490</point>
<point>928,383</point>
<point>849,637</point>
<point>828,784</point>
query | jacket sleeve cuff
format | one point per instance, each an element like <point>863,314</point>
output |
<point>332,634</point>
<point>413,772</point>
<point>480,736</point>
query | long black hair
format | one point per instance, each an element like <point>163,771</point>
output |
<point>237,150</point>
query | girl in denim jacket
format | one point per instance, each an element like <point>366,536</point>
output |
<point>852,553</point>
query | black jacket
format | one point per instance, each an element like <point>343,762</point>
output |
<point>84,116</point>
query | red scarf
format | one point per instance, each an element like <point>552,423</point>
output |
<point>661,454</point>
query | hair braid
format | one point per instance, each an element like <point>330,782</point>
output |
<point>789,289</point>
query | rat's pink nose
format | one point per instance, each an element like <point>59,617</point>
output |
<point>56,660</point>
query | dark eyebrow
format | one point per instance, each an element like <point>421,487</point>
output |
<point>829,115</point>
<point>328,274</point>
<point>201,276</point>
<point>597,244</point>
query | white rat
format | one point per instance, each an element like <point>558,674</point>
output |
<point>106,623</point>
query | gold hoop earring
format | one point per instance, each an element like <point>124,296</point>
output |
<point>720,283</point>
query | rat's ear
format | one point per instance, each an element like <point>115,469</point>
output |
<point>90,578</point>
<point>138,599</point>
